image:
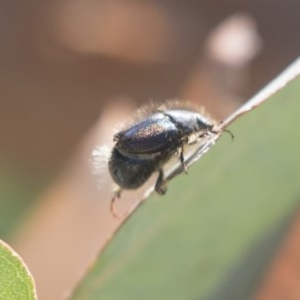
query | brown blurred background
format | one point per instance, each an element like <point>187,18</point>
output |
<point>71,70</point>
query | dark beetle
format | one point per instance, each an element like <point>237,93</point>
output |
<point>146,146</point>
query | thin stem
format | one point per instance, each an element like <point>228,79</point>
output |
<point>265,93</point>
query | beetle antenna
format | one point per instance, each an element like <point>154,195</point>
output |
<point>230,133</point>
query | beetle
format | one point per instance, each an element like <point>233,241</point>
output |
<point>145,146</point>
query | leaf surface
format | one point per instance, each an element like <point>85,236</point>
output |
<point>186,244</point>
<point>16,282</point>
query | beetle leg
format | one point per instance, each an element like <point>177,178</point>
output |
<point>181,157</point>
<point>117,194</point>
<point>160,185</point>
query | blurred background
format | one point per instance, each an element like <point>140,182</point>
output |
<point>71,71</point>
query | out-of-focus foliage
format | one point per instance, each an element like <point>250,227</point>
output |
<point>18,193</point>
<point>186,244</point>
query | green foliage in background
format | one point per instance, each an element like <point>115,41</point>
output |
<point>16,282</point>
<point>189,243</point>
<point>17,196</point>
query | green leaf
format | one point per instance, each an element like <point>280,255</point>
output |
<point>187,244</point>
<point>16,282</point>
